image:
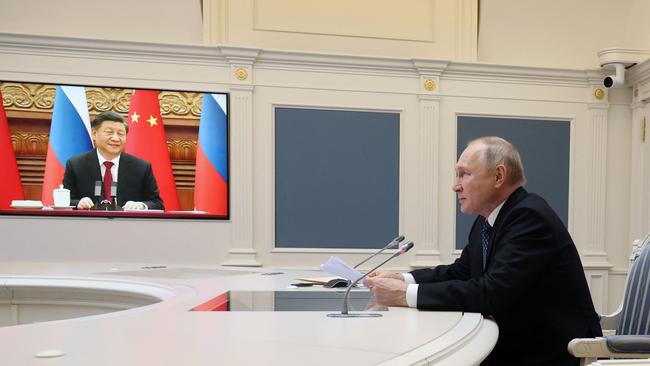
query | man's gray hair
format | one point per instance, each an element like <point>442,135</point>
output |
<point>498,151</point>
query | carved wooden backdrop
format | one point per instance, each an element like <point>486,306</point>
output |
<point>29,111</point>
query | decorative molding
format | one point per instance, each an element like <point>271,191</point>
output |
<point>429,85</point>
<point>111,50</point>
<point>31,169</point>
<point>628,56</point>
<point>40,98</point>
<point>598,280</point>
<point>599,93</point>
<point>30,143</point>
<point>639,176</point>
<point>24,96</point>
<point>427,253</point>
<point>182,150</point>
<point>242,251</point>
<point>596,174</point>
<point>639,77</point>
<point>80,48</point>
<point>466,30</point>
<point>381,28</point>
<point>241,73</point>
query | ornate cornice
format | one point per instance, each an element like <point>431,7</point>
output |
<point>30,143</point>
<point>28,97</point>
<point>182,150</point>
<point>29,45</point>
<point>40,98</point>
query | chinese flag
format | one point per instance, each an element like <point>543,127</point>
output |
<point>10,186</point>
<point>146,140</point>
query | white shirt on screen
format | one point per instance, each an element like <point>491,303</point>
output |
<point>114,168</point>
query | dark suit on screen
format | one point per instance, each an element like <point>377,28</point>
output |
<point>534,285</point>
<point>136,181</point>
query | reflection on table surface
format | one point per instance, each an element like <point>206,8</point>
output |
<point>290,301</point>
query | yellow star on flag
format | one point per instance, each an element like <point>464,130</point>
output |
<point>153,121</point>
<point>135,117</point>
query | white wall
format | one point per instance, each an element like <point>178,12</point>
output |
<point>140,20</point>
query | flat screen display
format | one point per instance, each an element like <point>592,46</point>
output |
<point>181,134</point>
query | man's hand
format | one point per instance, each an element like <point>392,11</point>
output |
<point>85,203</point>
<point>389,291</point>
<point>133,205</point>
<point>381,274</point>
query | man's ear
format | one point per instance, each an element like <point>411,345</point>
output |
<point>500,174</point>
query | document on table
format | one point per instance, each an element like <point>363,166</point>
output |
<point>338,267</point>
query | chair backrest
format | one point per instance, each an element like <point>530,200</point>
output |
<point>635,317</point>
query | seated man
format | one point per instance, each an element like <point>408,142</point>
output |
<point>136,185</point>
<point>520,266</point>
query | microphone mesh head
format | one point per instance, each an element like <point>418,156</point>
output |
<point>406,247</point>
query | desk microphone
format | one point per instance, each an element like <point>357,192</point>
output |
<point>344,311</point>
<point>393,244</point>
<point>98,193</point>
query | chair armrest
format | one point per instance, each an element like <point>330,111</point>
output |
<point>610,347</point>
<point>635,344</point>
<point>589,347</point>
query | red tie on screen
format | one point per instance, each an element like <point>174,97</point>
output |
<point>108,179</point>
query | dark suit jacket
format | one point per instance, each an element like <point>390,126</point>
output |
<point>136,181</point>
<point>534,285</point>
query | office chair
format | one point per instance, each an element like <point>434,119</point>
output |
<point>631,320</point>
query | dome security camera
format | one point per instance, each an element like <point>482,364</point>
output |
<point>612,81</point>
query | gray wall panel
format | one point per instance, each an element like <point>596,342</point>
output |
<point>336,178</point>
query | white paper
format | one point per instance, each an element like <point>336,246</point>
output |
<point>338,267</point>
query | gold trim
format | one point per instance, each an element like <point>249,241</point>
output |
<point>40,98</point>
<point>241,73</point>
<point>429,85</point>
<point>599,93</point>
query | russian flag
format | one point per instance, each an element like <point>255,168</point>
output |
<point>69,136</point>
<point>211,181</point>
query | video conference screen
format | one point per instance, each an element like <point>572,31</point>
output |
<point>175,141</point>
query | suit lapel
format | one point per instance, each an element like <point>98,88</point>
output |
<point>476,266</point>
<point>516,196</point>
<point>122,175</point>
<point>92,163</point>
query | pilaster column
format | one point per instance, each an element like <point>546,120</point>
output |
<point>596,186</point>
<point>639,173</point>
<point>427,250</point>
<point>594,254</point>
<point>242,249</point>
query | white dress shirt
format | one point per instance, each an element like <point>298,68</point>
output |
<point>114,168</point>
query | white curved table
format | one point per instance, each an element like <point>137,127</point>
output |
<point>168,333</point>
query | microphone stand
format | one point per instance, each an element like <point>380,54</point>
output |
<point>393,243</point>
<point>344,311</point>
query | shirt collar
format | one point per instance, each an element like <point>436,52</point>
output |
<point>492,217</point>
<point>102,159</point>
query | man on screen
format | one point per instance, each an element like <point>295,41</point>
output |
<point>136,185</point>
<point>520,266</point>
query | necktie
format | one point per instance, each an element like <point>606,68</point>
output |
<point>108,179</point>
<point>485,239</point>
